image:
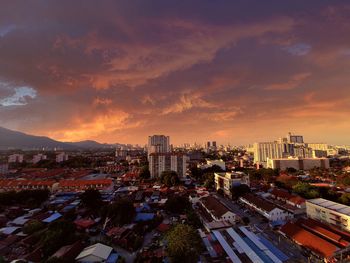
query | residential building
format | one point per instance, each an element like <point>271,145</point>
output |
<point>226,181</point>
<point>330,212</point>
<point>61,157</point>
<point>295,138</point>
<point>39,157</point>
<point>217,210</point>
<point>298,163</point>
<point>160,162</point>
<point>158,144</point>
<point>97,253</point>
<point>265,208</point>
<point>319,154</point>
<point>318,146</point>
<point>265,150</point>
<point>16,158</point>
<point>302,152</point>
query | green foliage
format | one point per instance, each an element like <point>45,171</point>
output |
<point>184,244</point>
<point>264,174</point>
<point>193,219</point>
<point>59,234</point>
<point>306,190</point>
<point>121,212</point>
<point>177,204</point>
<point>91,199</point>
<point>30,198</point>
<point>169,178</point>
<point>209,180</point>
<point>245,220</point>
<point>32,227</point>
<point>145,173</point>
<point>239,190</point>
<point>345,199</point>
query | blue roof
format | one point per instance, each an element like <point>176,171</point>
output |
<point>113,257</point>
<point>143,207</point>
<point>144,217</point>
<point>273,249</point>
<point>52,217</point>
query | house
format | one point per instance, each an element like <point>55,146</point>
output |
<point>217,210</point>
<point>265,208</point>
<point>97,253</point>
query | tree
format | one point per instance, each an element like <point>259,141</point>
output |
<point>306,190</point>
<point>177,204</point>
<point>169,178</point>
<point>245,220</point>
<point>121,212</point>
<point>238,190</point>
<point>59,234</point>
<point>32,227</point>
<point>345,199</point>
<point>184,244</point>
<point>91,199</point>
<point>145,173</point>
<point>209,180</point>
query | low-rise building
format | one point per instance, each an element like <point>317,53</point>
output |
<point>269,210</point>
<point>226,181</point>
<point>217,210</point>
<point>39,157</point>
<point>211,163</point>
<point>329,212</point>
<point>298,163</point>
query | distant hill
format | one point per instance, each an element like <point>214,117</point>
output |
<point>17,140</point>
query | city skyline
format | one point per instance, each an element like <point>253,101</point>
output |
<point>238,72</point>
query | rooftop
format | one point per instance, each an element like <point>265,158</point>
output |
<point>340,208</point>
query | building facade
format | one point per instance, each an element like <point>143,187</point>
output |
<point>298,163</point>
<point>265,150</point>
<point>160,162</point>
<point>158,144</point>
<point>16,158</point>
<point>226,181</point>
<point>329,212</point>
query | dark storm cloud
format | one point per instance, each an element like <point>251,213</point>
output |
<point>119,70</point>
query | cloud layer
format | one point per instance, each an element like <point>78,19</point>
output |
<point>117,71</point>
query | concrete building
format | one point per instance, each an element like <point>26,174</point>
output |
<point>39,157</point>
<point>302,152</point>
<point>319,154</point>
<point>211,163</point>
<point>226,181</point>
<point>265,150</point>
<point>16,158</point>
<point>298,163</point>
<point>329,212</point>
<point>160,162</point>
<point>61,157</point>
<point>217,210</point>
<point>158,144</point>
<point>265,208</point>
<point>295,138</point>
<point>318,146</point>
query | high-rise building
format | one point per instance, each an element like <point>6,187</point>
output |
<point>15,158</point>
<point>265,150</point>
<point>295,138</point>
<point>39,157</point>
<point>160,162</point>
<point>158,144</point>
<point>61,157</point>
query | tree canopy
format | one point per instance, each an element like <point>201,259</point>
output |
<point>120,212</point>
<point>169,178</point>
<point>184,244</point>
<point>91,199</point>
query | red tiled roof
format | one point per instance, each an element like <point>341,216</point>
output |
<point>77,183</point>
<point>309,240</point>
<point>259,202</point>
<point>84,223</point>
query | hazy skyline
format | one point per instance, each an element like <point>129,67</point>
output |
<point>231,71</point>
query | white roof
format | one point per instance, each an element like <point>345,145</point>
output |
<point>98,250</point>
<point>340,208</point>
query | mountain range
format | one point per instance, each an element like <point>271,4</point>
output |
<point>10,139</point>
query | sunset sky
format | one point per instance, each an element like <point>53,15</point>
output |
<point>231,71</point>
